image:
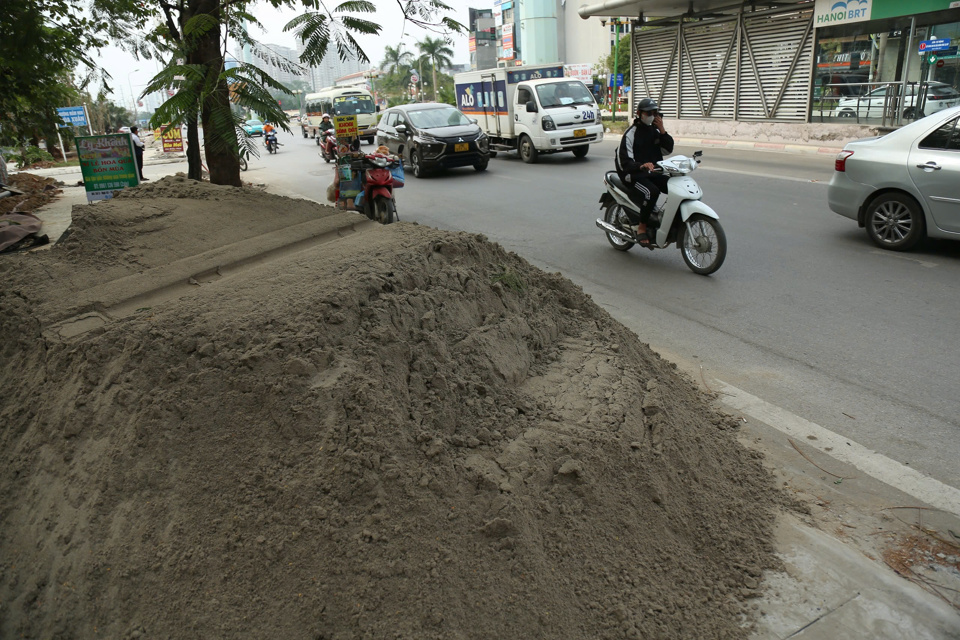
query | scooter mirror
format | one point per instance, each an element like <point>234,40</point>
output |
<point>400,151</point>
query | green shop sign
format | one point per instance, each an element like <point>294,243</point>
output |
<point>831,12</point>
<point>108,164</point>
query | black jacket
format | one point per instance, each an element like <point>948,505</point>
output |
<point>641,143</point>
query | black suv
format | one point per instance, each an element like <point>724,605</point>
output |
<point>434,136</point>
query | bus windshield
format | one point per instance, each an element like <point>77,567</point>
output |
<point>352,105</point>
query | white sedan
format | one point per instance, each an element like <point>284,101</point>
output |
<point>903,186</point>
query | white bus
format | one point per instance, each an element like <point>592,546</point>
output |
<point>340,101</point>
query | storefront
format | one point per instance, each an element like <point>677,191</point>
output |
<point>802,62</point>
<point>868,61</point>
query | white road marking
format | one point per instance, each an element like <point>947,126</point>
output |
<point>899,476</point>
<point>890,254</point>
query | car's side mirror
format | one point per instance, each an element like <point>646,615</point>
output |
<point>473,120</point>
<point>531,107</point>
<point>378,108</point>
<point>401,128</point>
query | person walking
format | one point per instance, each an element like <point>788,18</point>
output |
<point>138,149</point>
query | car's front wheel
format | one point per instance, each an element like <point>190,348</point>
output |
<point>416,164</point>
<point>895,221</point>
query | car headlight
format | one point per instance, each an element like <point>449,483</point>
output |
<point>548,124</point>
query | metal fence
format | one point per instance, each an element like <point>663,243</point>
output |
<point>885,103</point>
<point>754,66</point>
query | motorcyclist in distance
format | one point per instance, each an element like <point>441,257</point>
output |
<point>642,146</point>
<point>325,123</point>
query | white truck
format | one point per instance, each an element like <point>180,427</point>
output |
<point>531,110</point>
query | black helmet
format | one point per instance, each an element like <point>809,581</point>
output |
<point>647,104</point>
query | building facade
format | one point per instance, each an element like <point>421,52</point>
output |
<point>822,61</point>
<point>482,39</point>
<point>527,32</point>
<point>330,68</point>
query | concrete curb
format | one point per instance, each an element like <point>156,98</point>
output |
<point>781,147</point>
<point>65,171</point>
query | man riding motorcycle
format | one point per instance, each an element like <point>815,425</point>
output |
<point>642,146</point>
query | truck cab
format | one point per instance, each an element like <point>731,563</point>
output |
<point>531,110</point>
<point>555,114</point>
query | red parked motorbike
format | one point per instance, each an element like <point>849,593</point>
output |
<point>328,145</point>
<point>381,175</point>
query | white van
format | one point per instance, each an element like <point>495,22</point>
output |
<point>531,110</point>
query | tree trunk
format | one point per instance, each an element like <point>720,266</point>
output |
<point>223,162</point>
<point>194,165</point>
<point>434,65</point>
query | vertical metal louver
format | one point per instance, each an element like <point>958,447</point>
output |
<point>700,62</point>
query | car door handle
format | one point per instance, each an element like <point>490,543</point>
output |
<point>930,165</point>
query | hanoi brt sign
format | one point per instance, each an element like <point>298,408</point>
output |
<point>831,12</point>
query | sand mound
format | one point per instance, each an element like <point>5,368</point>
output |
<point>409,434</point>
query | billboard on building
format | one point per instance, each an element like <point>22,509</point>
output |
<point>508,41</point>
<point>582,72</point>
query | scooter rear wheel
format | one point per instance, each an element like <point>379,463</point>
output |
<point>706,248</point>
<point>614,215</point>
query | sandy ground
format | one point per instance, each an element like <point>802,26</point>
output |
<point>232,414</point>
<point>382,432</point>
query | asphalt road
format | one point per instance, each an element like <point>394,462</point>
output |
<point>805,313</point>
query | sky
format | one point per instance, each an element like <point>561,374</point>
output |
<point>131,75</point>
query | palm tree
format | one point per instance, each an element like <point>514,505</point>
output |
<point>396,60</point>
<point>437,54</point>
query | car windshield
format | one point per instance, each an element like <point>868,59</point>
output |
<point>562,94</point>
<point>352,105</point>
<point>437,117</point>
<point>254,123</point>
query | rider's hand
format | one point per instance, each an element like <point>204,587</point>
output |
<point>658,123</point>
<point>649,166</point>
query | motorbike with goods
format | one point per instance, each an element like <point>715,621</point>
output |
<point>682,218</point>
<point>270,140</point>
<point>379,175</point>
<point>328,145</point>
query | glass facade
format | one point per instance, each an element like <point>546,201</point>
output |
<point>871,71</point>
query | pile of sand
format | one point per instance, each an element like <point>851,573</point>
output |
<point>406,433</point>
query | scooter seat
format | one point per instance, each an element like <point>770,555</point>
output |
<point>613,178</point>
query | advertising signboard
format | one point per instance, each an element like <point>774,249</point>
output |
<point>582,72</point>
<point>172,138</point>
<point>107,163</point>
<point>346,127</point>
<point>72,116</point>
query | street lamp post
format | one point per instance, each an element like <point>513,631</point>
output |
<point>133,98</point>
<point>299,94</point>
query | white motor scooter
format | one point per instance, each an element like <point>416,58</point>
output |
<point>683,218</point>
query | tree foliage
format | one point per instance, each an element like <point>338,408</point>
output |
<point>435,53</point>
<point>42,43</point>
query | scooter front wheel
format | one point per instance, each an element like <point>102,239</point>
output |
<point>615,215</point>
<point>384,210</point>
<point>705,249</point>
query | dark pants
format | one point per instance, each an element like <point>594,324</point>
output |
<point>647,189</point>
<point>139,152</point>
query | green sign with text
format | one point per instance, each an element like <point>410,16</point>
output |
<point>107,163</point>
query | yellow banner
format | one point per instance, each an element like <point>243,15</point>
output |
<point>346,127</point>
<point>172,139</point>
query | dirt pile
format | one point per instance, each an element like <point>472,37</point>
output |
<point>404,433</point>
<point>37,191</point>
